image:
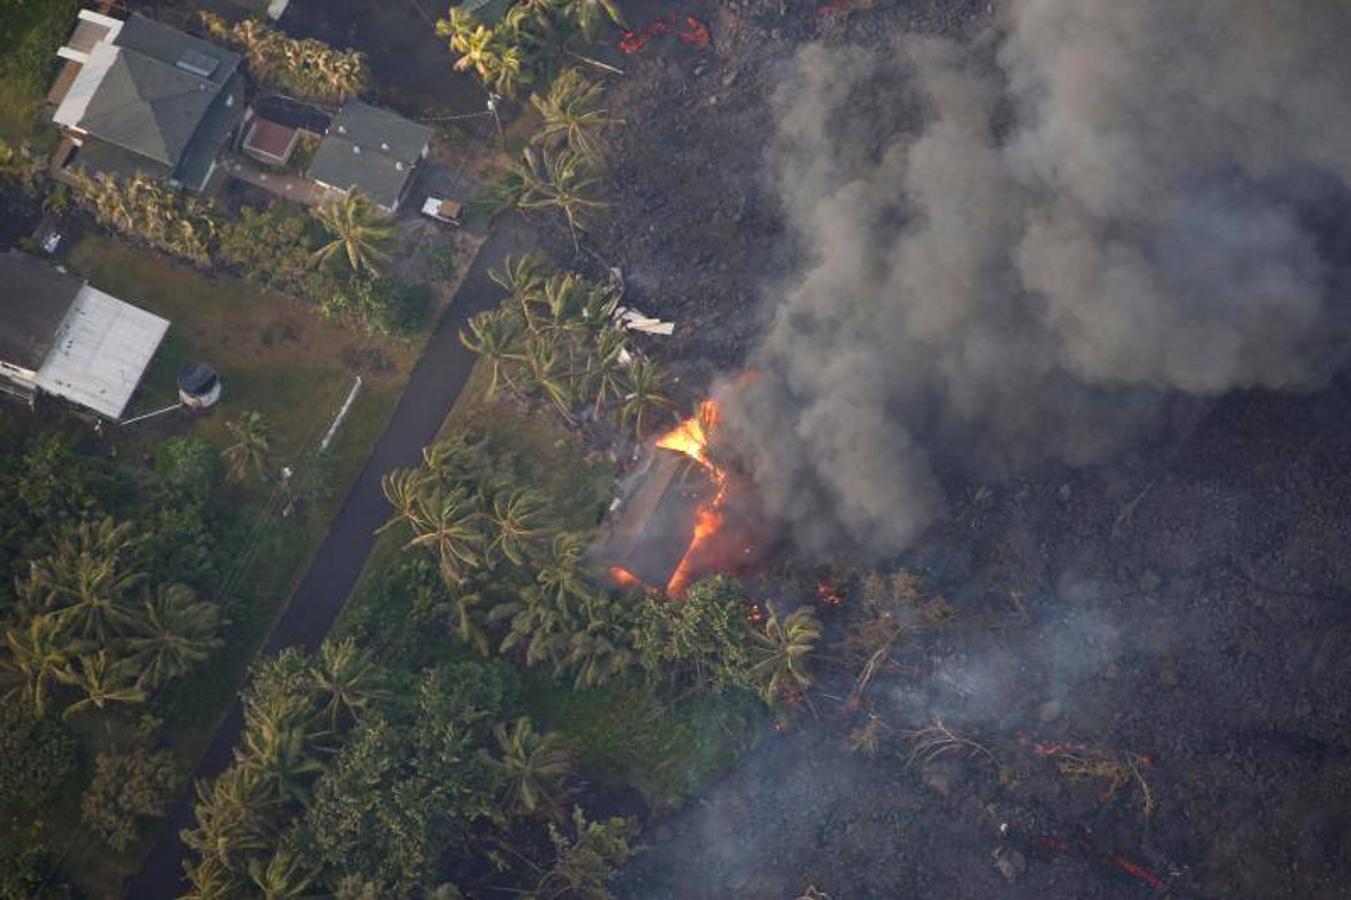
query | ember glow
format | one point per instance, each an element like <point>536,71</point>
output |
<point>623,577</point>
<point>691,437</point>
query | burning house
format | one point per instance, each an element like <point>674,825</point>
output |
<point>672,520</point>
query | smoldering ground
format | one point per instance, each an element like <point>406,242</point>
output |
<point>1122,204</point>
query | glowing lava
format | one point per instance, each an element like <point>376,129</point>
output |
<point>690,437</point>
<point>624,577</point>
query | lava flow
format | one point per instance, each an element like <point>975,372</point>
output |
<point>691,437</point>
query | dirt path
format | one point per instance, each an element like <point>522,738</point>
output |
<point>432,389</point>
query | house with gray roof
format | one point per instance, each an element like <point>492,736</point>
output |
<point>61,336</point>
<point>150,98</point>
<point>370,150</point>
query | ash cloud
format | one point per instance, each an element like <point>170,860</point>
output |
<point>1123,204</point>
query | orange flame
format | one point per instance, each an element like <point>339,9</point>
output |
<point>624,577</point>
<point>690,437</point>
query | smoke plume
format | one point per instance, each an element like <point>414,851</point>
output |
<point>1018,257</point>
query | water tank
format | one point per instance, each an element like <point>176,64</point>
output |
<point>198,385</point>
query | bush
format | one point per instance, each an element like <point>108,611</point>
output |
<point>189,468</point>
<point>26,858</point>
<point>126,789</point>
<point>36,755</point>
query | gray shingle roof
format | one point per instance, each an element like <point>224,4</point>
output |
<point>34,299</point>
<point>154,99</point>
<point>370,149</point>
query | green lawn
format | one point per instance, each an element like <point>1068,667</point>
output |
<point>276,356</point>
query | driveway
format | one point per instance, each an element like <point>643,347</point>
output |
<point>435,383</point>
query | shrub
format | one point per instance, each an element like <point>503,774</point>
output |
<point>36,755</point>
<point>127,788</point>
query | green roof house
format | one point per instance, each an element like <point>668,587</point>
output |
<point>149,98</point>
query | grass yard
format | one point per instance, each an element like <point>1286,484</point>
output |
<point>278,357</point>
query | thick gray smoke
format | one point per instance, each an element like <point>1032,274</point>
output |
<point>1020,257</point>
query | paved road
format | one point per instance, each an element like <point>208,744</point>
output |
<point>432,388</point>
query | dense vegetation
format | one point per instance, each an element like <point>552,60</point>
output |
<point>32,32</point>
<point>308,68</point>
<point>329,259</point>
<point>553,340</point>
<point>105,573</point>
<point>530,43</point>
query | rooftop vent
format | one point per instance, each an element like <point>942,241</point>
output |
<point>384,146</point>
<point>356,148</point>
<point>198,63</point>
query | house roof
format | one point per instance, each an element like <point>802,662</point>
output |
<point>158,93</point>
<point>103,347</point>
<point>34,299</point>
<point>370,149</point>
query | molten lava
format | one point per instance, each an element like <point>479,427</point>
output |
<point>691,437</point>
<point>623,577</point>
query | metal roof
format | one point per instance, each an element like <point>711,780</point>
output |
<point>102,349</point>
<point>370,149</point>
<point>34,299</point>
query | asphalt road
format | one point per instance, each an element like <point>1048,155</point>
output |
<point>435,383</point>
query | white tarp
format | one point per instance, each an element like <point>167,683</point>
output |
<point>101,351</point>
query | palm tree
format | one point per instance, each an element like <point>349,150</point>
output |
<point>86,579</point>
<point>515,521</point>
<point>285,875</point>
<point>533,766</point>
<point>588,14</point>
<point>174,632</point>
<point>403,488</point>
<point>358,231</point>
<point>561,573</point>
<point>643,393</point>
<point>253,444</point>
<point>448,522</point>
<point>565,181</point>
<point>278,745</point>
<point>38,653</point>
<point>779,653</point>
<point>523,277</point>
<point>103,680</point>
<point>487,51</point>
<point>493,333</point>
<point>572,115</point>
<point>229,813</point>
<point>210,879</point>
<point>545,372</point>
<point>605,368</point>
<point>347,678</point>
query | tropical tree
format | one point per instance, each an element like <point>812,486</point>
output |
<point>490,52</point>
<point>358,232</point>
<point>86,579</point>
<point>544,370</point>
<point>564,180</point>
<point>533,766</point>
<point>251,448</point>
<point>589,15</point>
<point>173,633</point>
<point>523,277</point>
<point>347,679</point>
<point>38,653</point>
<point>209,879</point>
<point>605,369</point>
<point>585,863</point>
<point>779,652</point>
<point>448,523</point>
<point>644,394</point>
<point>561,572</point>
<point>282,876</point>
<point>103,680</point>
<point>491,335</point>
<point>572,115</point>
<point>515,523</point>
<point>230,813</point>
<point>279,745</point>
